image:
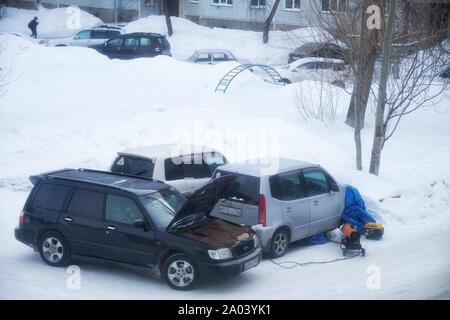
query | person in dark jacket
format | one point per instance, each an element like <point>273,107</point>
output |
<point>33,26</point>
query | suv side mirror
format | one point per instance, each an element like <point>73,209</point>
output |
<point>140,224</point>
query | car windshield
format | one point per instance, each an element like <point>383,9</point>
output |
<point>162,206</point>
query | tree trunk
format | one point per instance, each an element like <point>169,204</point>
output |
<point>366,83</point>
<point>268,21</point>
<point>168,21</point>
<point>381,103</point>
<point>358,89</point>
<point>36,4</point>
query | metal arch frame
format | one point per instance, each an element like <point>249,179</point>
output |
<point>248,66</point>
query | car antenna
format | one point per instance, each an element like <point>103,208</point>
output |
<point>314,160</point>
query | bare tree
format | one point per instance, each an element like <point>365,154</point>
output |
<point>347,26</point>
<point>36,4</point>
<point>415,83</point>
<point>268,21</point>
<point>381,102</point>
<point>167,15</point>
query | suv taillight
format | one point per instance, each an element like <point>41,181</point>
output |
<point>22,215</point>
<point>262,210</point>
<point>157,48</point>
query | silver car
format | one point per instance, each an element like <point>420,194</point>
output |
<point>94,37</point>
<point>214,56</point>
<point>296,201</point>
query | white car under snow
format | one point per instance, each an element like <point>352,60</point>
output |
<point>333,71</point>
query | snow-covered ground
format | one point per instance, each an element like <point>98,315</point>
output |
<point>72,107</point>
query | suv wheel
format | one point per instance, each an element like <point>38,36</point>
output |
<point>280,243</point>
<point>53,249</point>
<point>180,272</point>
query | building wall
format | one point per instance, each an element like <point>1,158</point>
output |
<point>242,16</point>
<point>107,10</point>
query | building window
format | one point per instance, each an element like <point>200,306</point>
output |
<point>257,3</point>
<point>334,5</point>
<point>292,4</point>
<point>222,2</point>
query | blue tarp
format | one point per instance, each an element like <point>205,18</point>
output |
<point>355,213</point>
<point>355,210</point>
<point>320,238</point>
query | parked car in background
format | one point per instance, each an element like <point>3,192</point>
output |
<point>139,223</point>
<point>183,166</point>
<point>319,49</point>
<point>136,45</point>
<point>89,37</point>
<point>445,74</point>
<point>296,201</point>
<point>214,56</point>
<point>333,71</point>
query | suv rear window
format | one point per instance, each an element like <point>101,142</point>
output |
<point>199,166</point>
<point>50,196</point>
<point>163,42</point>
<point>87,203</point>
<point>133,165</point>
<point>243,189</point>
<point>179,168</point>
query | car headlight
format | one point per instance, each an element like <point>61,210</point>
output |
<point>220,254</point>
<point>256,240</point>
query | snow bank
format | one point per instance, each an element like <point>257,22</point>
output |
<point>189,37</point>
<point>52,22</point>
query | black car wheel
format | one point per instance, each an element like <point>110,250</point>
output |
<point>280,243</point>
<point>180,272</point>
<point>53,249</point>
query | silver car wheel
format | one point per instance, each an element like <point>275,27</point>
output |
<point>280,243</point>
<point>52,249</point>
<point>180,273</point>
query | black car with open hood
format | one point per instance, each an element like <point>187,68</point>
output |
<point>138,222</point>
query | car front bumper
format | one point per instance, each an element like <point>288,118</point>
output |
<point>210,270</point>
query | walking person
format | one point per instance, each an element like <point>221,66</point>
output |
<point>33,26</point>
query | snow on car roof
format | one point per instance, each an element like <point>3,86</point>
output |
<point>266,167</point>
<point>315,59</point>
<point>166,150</point>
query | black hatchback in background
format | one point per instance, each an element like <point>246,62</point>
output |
<point>140,223</point>
<point>319,49</point>
<point>135,45</point>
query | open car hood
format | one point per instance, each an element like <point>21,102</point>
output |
<point>203,200</point>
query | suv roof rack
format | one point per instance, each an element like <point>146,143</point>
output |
<point>108,26</point>
<point>118,174</point>
<point>53,175</point>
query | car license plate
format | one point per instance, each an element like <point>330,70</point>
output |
<point>251,263</point>
<point>230,211</point>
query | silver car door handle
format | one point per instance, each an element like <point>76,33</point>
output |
<point>68,219</point>
<point>288,209</point>
<point>111,228</point>
<point>315,203</point>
